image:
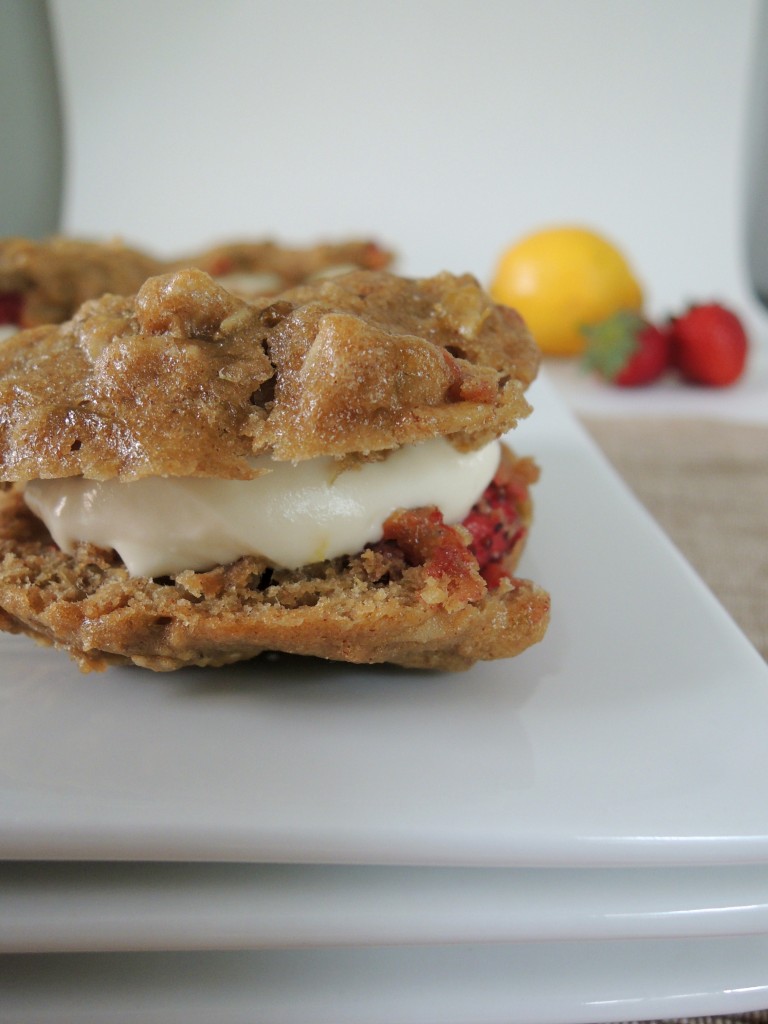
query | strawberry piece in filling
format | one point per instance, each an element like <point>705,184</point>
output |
<point>10,307</point>
<point>480,547</point>
<point>496,525</point>
<point>425,539</point>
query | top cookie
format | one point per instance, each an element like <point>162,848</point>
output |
<point>258,268</point>
<point>45,282</point>
<point>187,379</point>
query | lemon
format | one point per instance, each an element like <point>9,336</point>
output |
<point>562,279</point>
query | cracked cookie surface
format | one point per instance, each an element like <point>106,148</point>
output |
<point>187,379</point>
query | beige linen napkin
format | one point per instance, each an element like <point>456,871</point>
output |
<point>706,483</point>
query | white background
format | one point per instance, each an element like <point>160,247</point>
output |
<point>446,129</point>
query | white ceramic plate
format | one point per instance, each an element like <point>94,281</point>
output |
<point>95,907</point>
<point>634,735</point>
<point>523,983</point>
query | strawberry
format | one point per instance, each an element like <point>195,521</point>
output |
<point>709,345</point>
<point>626,349</point>
<point>10,307</point>
<point>495,525</point>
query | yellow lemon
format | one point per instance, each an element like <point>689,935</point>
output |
<point>561,279</point>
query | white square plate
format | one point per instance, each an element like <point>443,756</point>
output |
<point>634,735</point>
<point>520,983</point>
<point>89,906</point>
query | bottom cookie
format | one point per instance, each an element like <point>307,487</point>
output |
<point>429,596</point>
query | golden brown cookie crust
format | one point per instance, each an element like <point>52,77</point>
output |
<point>186,379</point>
<point>53,277</point>
<point>283,266</point>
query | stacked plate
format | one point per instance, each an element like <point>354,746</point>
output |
<point>580,834</point>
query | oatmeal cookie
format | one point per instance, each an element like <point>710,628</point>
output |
<point>427,596</point>
<point>44,282</point>
<point>260,268</point>
<point>187,379</point>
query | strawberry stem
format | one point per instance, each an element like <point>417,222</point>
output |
<point>611,343</point>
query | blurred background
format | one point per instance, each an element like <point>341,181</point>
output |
<point>445,128</point>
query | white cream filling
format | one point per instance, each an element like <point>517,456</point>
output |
<point>292,515</point>
<point>255,283</point>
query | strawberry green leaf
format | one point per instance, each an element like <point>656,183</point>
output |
<point>611,343</point>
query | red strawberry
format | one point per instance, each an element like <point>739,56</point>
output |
<point>626,349</point>
<point>496,526</point>
<point>10,307</point>
<point>709,345</point>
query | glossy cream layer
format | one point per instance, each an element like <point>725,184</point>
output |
<point>291,514</point>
